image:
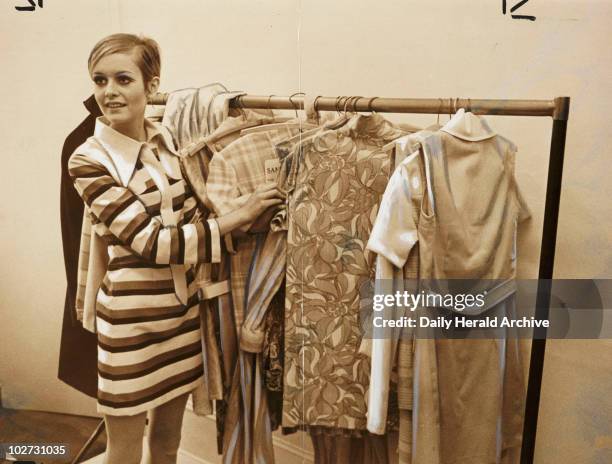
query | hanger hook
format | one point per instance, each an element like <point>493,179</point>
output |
<point>269,100</point>
<point>370,102</point>
<point>350,104</point>
<point>240,106</point>
<point>316,110</point>
<point>347,104</point>
<point>354,101</point>
<point>339,102</point>
<point>295,108</point>
<point>345,100</point>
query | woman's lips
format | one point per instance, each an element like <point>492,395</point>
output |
<point>115,105</point>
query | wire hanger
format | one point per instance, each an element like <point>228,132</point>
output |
<point>269,102</point>
<point>316,110</point>
<point>355,101</point>
<point>240,107</point>
<point>295,108</point>
<point>370,107</point>
<point>347,105</point>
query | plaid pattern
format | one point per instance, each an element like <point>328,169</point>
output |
<point>245,425</point>
<point>234,173</point>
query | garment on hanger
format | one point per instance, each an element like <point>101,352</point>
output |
<point>189,113</point>
<point>470,392</point>
<point>197,154</point>
<point>263,327</point>
<point>294,123</point>
<point>192,115</point>
<point>267,273</point>
<point>196,157</point>
<point>272,357</point>
<point>246,162</point>
<point>219,126</point>
<point>78,347</point>
<point>335,446</point>
<point>234,174</point>
<point>339,178</point>
<point>395,351</point>
<point>149,349</point>
<point>394,211</point>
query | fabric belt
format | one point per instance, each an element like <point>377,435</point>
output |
<point>209,290</point>
<point>155,170</point>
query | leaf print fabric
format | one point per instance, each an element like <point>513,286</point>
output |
<point>336,182</point>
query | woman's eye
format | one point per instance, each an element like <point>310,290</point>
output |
<point>123,80</point>
<point>99,80</point>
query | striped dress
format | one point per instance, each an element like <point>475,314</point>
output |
<point>149,333</point>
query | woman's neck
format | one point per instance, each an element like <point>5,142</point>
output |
<point>135,130</point>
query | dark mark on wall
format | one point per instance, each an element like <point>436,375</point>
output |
<point>516,6</point>
<point>31,7</point>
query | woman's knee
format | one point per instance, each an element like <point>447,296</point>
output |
<point>124,439</point>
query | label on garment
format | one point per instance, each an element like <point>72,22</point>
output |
<point>272,166</point>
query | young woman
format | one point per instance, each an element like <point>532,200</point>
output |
<point>147,315</point>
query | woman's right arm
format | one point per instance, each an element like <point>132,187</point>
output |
<point>126,217</point>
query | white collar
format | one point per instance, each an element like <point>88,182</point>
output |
<point>468,126</point>
<point>124,150</point>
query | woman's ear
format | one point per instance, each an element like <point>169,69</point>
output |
<point>153,86</point>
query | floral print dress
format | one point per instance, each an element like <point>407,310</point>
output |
<point>336,182</point>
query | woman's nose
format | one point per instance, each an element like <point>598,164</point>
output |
<point>111,89</point>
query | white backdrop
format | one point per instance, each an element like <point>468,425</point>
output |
<point>408,48</point>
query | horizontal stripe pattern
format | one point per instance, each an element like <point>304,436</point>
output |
<point>149,344</point>
<point>133,219</point>
<point>145,367</point>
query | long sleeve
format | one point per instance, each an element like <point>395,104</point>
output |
<point>128,220</point>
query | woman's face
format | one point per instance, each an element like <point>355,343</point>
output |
<point>120,90</point>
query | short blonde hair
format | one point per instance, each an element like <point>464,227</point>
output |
<point>147,53</point>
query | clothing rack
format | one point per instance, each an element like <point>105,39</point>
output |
<point>557,108</point>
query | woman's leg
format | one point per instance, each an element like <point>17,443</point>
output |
<point>164,435</point>
<point>124,438</point>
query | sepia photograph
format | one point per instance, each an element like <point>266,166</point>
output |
<point>265,231</point>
